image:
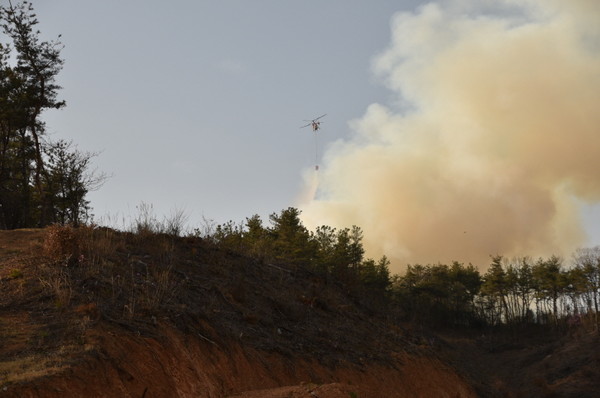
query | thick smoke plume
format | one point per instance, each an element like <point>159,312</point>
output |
<point>491,146</point>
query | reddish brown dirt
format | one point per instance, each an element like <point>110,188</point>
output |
<point>235,327</point>
<point>175,365</point>
<point>227,326</point>
<point>20,241</point>
<point>530,362</point>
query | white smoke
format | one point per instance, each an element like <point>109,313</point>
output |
<point>492,143</point>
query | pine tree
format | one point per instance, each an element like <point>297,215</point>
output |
<point>40,182</point>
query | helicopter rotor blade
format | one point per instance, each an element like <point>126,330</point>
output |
<point>313,121</point>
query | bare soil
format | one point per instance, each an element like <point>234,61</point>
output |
<point>156,316</point>
<point>527,362</point>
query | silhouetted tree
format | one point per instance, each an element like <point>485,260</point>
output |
<point>255,237</point>
<point>587,261</point>
<point>325,238</point>
<point>291,241</point>
<point>68,179</point>
<point>374,275</point>
<point>438,294</point>
<point>549,281</point>
<point>37,65</point>
<point>494,291</point>
<point>347,254</point>
<point>40,182</point>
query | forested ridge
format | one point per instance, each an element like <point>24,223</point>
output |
<point>551,291</point>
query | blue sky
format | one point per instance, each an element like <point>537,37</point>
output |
<point>197,105</point>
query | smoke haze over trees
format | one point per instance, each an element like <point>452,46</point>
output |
<point>490,144</point>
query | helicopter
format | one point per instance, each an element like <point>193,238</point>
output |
<point>314,123</point>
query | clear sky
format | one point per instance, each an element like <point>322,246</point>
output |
<point>197,105</point>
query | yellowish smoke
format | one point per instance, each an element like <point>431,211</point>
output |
<point>493,141</point>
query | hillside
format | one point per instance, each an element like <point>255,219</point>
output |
<point>95,312</point>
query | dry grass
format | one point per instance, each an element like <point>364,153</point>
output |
<point>62,244</point>
<point>57,283</point>
<point>37,365</point>
<point>137,268</point>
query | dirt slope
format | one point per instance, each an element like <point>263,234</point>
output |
<point>107,314</point>
<point>180,366</point>
<point>124,315</point>
<point>527,362</point>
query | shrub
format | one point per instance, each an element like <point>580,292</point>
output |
<point>62,244</point>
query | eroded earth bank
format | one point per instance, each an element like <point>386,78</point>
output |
<point>100,313</point>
